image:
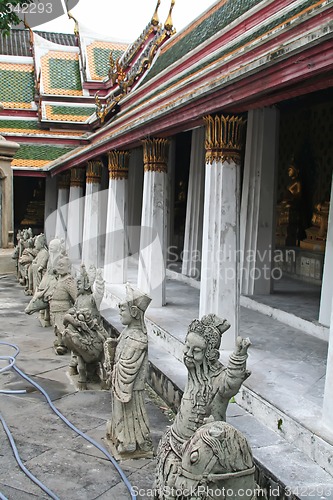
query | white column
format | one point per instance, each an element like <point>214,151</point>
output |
<point>91,214</point>
<point>171,194</point>
<point>103,203</point>
<point>328,393</point>
<point>75,214</point>
<point>257,223</point>
<point>135,188</point>
<point>50,212</point>
<point>153,241</point>
<point>62,206</point>
<point>116,245</point>
<point>326,298</point>
<point>7,152</point>
<point>194,209</point>
<point>219,290</point>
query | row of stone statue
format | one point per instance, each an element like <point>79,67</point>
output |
<point>200,453</point>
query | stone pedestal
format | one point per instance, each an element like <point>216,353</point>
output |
<point>116,245</point>
<point>91,214</point>
<point>257,224</point>
<point>327,288</point>
<point>328,394</point>
<point>220,286</point>
<point>75,213</point>
<point>7,152</point>
<point>135,187</point>
<point>62,205</point>
<point>194,210</point>
<point>153,241</point>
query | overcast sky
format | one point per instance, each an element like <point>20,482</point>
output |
<point>126,19</point>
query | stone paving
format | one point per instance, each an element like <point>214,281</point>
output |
<point>67,464</point>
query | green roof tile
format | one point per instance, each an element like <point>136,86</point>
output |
<point>72,110</point>
<point>19,124</point>
<point>64,74</point>
<point>101,60</point>
<point>16,86</point>
<point>40,152</point>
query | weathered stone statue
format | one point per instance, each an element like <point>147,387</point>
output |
<point>25,261</point>
<point>128,429</point>
<point>85,334</point>
<point>84,337</point>
<point>39,264</point>
<point>40,300</point>
<point>18,250</point>
<point>25,242</point>
<point>61,300</point>
<point>217,458</point>
<point>210,385</point>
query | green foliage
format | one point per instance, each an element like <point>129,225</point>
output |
<point>8,14</point>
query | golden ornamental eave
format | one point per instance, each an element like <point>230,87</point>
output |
<point>63,181</point>
<point>224,138</point>
<point>77,177</point>
<point>118,164</point>
<point>94,172</point>
<point>155,155</point>
<point>125,71</point>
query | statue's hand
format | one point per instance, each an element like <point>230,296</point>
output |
<point>242,346</point>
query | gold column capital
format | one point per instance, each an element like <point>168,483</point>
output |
<point>77,177</point>
<point>224,138</point>
<point>155,155</point>
<point>94,172</point>
<point>63,181</point>
<point>118,164</point>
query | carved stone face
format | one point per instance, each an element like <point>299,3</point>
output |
<point>54,246</point>
<point>194,350</point>
<point>125,313</point>
<point>39,243</point>
<point>63,267</point>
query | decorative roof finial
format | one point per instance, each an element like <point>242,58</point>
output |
<point>168,25</point>
<point>76,26</point>
<point>154,20</point>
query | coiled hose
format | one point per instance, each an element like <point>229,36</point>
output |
<point>11,364</point>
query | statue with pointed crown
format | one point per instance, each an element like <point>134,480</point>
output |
<point>128,430</point>
<point>210,386</point>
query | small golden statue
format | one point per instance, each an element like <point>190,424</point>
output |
<point>316,234</point>
<point>288,210</point>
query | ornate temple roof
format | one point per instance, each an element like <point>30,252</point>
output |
<point>18,43</point>
<point>37,155</point>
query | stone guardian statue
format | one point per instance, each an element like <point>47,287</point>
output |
<point>128,430</point>
<point>210,386</point>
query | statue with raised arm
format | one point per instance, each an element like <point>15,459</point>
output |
<point>210,385</point>
<point>128,429</point>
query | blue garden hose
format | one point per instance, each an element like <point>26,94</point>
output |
<point>11,364</point>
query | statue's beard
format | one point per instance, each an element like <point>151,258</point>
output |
<point>199,379</point>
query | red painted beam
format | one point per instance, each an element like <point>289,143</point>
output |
<point>29,173</point>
